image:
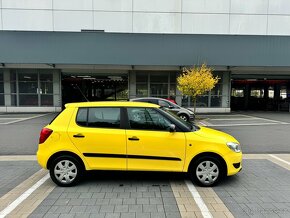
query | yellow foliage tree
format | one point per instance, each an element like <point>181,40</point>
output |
<point>196,81</point>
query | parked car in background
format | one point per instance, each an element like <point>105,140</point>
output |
<point>133,136</point>
<point>185,114</point>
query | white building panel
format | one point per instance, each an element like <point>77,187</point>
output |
<point>248,24</point>
<point>113,21</point>
<point>27,4</point>
<point>157,22</point>
<point>157,6</point>
<point>0,18</point>
<point>206,6</point>
<point>205,23</point>
<point>278,25</point>
<point>249,6</point>
<point>279,7</point>
<point>112,5</point>
<point>39,20</point>
<point>73,20</point>
<point>73,4</point>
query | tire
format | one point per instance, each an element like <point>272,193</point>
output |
<point>184,117</point>
<point>66,171</point>
<point>206,171</point>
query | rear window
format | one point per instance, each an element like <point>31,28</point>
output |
<point>99,117</point>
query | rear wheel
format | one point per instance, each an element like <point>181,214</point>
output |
<point>206,171</point>
<point>65,171</point>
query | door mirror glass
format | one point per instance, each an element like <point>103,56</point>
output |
<point>172,128</point>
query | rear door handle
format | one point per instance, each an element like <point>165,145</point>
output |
<point>134,138</point>
<point>79,135</point>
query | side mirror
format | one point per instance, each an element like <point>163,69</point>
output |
<point>170,107</point>
<point>172,128</point>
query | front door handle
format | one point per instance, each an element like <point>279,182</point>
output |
<point>79,135</point>
<point>134,138</point>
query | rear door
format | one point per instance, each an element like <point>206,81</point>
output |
<point>97,134</point>
<point>150,145</point>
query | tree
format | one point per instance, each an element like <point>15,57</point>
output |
<point>196,81</point>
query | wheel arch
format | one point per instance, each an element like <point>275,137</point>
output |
<point>209,154</point>
<point>63,153</point>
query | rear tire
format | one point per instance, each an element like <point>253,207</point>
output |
<point>206,171</point>
<point>66,171</point>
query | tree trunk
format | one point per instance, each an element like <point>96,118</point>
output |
<point>194,105</point>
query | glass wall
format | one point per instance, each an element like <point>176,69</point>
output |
<point>1,88</point>
<point>156,84</point>
<point>31,87</point>
<point>209,99</point>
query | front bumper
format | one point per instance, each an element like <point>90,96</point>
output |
<point>234,163</point>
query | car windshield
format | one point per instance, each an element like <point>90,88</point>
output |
<point>190,126</point>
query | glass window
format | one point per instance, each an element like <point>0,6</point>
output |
<point>13,87</point>
<point>164,104</point>
<point>13,100</point>
<point>82,116</point>
<point>28,100</point>
<point>237,92</point>
<point>1,83</point>
<point>217,90</point>
<point>257,93</point>
<point>283,92</point>
<point>147,119</point>
<point>162,78</point>
<point>159,90</point>
<point>1,99</point>
<point>46,100</point>
<point>104,117</point>
<point>142,77</point>
<point>1,76</point>
<point>271,92</point>
<point>46,88</point>
<point>216,101</point>
<point>27,87</point>
<point>46,77</point>
<point>27,76</point>
<point>141,90</point>
<point>201,101</point>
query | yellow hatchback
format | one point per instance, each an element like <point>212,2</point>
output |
<point>133,136</point>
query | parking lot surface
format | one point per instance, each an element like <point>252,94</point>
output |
<point>261,189</point>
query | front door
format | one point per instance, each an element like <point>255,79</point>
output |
<point>96,133</point>
<point>150,145</point>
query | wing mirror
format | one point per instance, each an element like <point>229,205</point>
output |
<point>172,128</point>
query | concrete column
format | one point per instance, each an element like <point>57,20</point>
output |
<point>56,89</point>
<point>226,90</point>
<point>132,84</point>
<point>7,88</point>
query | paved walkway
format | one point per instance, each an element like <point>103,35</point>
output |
<point>262,189</point>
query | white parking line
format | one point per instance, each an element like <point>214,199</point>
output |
<point>238,119</point>
<point>22,197</point>
<point>198,199</point>
<point>23,119</point>
<point>247,124</point>
<point>278,158</point>
<point>276,121</point>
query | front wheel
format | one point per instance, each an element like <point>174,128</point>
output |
<point>184,117</point>
<point>206,171</point>
<point>65,171</point>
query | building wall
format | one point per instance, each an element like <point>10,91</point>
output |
<point>254,17</point>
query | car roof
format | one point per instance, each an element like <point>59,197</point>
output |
<point>112,104</point>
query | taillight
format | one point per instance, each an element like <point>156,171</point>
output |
<point>44,134</point>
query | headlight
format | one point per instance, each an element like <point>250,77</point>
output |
<point>234,146</point>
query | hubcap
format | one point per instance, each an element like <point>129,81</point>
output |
<point>207,172</point>
<point>65,171</point>
<point>183,117</point>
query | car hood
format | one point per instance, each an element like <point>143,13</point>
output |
<point>215,135</point>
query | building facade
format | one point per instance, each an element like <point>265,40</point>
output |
<point>57,51</point>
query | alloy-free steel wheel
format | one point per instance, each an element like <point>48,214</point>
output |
<point>206,171</point>
<point>65,171</point>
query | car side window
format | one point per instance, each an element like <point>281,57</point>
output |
<point>99,117</point>
<point>164,104</point>
<point>147,119</point>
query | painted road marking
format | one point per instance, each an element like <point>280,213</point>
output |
<point>267,119</point>
<point>280,159</point>
<point>18,158</point>
<point>198,199</point>
<point>22,197</point>
<point>24,119</point>
<point>247,124</point>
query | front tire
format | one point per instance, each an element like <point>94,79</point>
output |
<point>65,171</point>
<point>206,171</point>
<point>184,117</point>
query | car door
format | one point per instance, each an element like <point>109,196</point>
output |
<point>97,134</point>
<point>150,145</point>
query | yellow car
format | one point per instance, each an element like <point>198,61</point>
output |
<point>133,136</point>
